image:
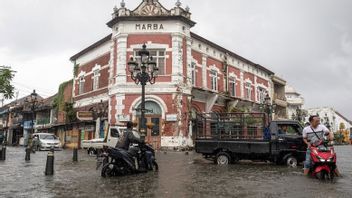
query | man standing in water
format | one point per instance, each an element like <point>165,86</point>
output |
<point>311,134</point>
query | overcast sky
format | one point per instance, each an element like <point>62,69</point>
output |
<point>307,42</point>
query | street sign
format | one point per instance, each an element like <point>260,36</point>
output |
<point>171,117</point>
<point>124,118</point>
<point>85,115</point>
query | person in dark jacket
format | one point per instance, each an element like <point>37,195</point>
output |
<point>127,138</point>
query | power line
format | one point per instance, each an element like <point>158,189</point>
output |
<point>27,87</point>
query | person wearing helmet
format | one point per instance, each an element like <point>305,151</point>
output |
<point>127,138</point>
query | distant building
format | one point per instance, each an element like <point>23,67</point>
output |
<point>279,98</point>
<point>331,118</point>
<point>294,101</point>
<point>17,119</point>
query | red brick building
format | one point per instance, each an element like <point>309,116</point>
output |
<point>195,74</point>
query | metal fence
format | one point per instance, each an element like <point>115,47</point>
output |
<point>230,125</point>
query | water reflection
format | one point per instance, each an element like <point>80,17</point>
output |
<point>180,175</point>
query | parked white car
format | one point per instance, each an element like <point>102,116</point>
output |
<point>46,141</point>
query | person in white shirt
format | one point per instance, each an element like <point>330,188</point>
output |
<point>311,135</point>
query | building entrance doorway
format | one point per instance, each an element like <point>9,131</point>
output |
<point>153,118</point>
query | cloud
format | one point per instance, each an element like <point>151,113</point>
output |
<point>309,43</point>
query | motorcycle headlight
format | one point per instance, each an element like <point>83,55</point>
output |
<point>330,159</point>
<point>322,160</point>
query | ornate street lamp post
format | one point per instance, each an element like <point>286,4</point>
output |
<point>267,107</point>
<point>299,114</point>
<point>33,103</point>
<point>143,70</point>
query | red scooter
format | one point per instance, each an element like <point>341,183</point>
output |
<point>323,158</point>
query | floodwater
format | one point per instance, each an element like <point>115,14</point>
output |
<point>180,175</point>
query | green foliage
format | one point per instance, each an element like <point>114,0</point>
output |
<point>59,101</point>
<point>342,126</point>
<point>75,69</point>
<point>70,112</point>
<point>61,105</point>
<point>6,76</point>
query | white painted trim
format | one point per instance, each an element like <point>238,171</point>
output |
<point>233,75</point>
<point>248,81</point>
<point>262,86</point>
<point>91,100</point>
<point>213,67</point>
<point>81,74</point>
<point>90,91</point>
<point>96,67</point>
<point>150,45</point>
<point>90,72</point>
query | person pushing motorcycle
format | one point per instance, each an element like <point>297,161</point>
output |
<point>127,138</point>
<point>312,134</point>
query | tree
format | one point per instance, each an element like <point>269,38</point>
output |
<point>6,76</point>
<point>342,126</point>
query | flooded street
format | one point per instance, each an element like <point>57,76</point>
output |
<point>180,175</point>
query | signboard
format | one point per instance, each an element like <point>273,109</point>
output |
<point>88,128</point>
<point>149,26</point>
<point>123,118</point>
<point>171,117</point>
<point>85,115</point>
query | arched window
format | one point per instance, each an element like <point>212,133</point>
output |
<point>152,108</point>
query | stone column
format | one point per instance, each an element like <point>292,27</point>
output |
<point>177,58</point>
<point>204,71</point>
<point>121,77</point>
<point>242,83</point>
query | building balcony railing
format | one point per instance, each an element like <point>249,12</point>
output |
<point>280,100</point>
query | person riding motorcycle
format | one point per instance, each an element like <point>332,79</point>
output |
<point>312,134</point>
<point>127,138</point>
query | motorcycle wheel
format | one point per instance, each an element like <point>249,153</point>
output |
<point>332,175</point>
<point>323,175</point>
<point>108,170</point>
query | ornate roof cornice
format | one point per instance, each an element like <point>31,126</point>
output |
<point>150,8</point>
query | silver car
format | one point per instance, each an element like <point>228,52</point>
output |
<point>46,141</point>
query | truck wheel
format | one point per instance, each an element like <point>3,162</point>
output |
<point>292,161</point>
<point>223,158</point>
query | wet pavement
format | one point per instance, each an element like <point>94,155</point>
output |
<point>180,175</point>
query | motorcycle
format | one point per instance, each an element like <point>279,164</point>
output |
<point>323,160</point>
<point>118,162</point>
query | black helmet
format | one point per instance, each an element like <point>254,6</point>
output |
<point>129,125</point>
